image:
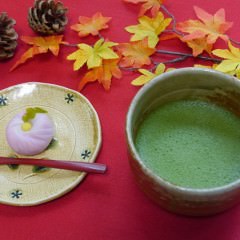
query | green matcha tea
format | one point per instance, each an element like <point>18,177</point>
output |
<point>191,143</point>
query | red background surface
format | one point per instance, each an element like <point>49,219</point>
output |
<point>108,206</point>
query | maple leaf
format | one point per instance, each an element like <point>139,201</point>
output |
<point>150,28</point>
<point>93,25</point>
<point>135,54</point>
<point>40,45</point>
<point>204,66</point>
<point>92,56</point>
<point>231,62</point>
<point>148,76</point>
<point>209,26</point>
<point>103,74</point>
<point>153,5</point>
<point>199,45</point>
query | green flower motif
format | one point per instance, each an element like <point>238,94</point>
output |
<point>16,193</point>
<point>3,100</point>
<point>69,98</point>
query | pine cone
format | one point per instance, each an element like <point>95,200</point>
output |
<point>8,36</point>
<point>47,17</point>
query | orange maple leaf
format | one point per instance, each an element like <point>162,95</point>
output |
<point>93,25</point>
<point>103,74</point>
<point>153,5</point>
<point>40,45</point>
<point>199,45</point>
<point>210,27</point>
<point>135,54</point>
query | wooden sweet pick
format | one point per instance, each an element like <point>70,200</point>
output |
<point>68,165</point>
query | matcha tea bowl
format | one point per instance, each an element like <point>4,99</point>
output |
<point>183,136</point>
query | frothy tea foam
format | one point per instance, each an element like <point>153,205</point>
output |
<point>191,143</point>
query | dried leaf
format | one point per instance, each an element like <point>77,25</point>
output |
<point>210,27</point>
<point>152,5</point>
<point>150,28</point>
<point>92,56</point>
<point>51,43</point>
<point>147,76</point>
<point>199,45</point>
<point>93,25</point>
<point>231,64</point>
<point>103,74</point>
<point>40,45</point>
<point>135,54</point>
<point>30,53</point>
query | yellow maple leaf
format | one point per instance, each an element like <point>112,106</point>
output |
<point>150,28</point>
<point>103,74</point>
<point>205,66</point>
<point>147,76</point>
<point>153,5</point>
<point>210,27</point>
<point>135,54</point>
<point>92,56</point>
<point>93,25</point>
<point>231,62</point>
<point>39,45</point>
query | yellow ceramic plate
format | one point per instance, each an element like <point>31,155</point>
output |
<point>78,138</point>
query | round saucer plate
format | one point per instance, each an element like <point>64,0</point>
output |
<point>77,138</point>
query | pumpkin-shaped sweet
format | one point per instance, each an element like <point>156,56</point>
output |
<point>30,132</point>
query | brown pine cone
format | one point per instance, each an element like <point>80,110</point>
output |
<point>47,17</point>
<point>8,36</point>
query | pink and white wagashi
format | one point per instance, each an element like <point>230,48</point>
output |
<point>35,139</point>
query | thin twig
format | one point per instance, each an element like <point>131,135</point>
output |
<point>234,41</point>
<point>174,31</point>
<point>155,64</point>
<point>174,27</point>
<point>175,60</point>
<point>100,36</point>
<point>188,55</point>
<point>70,44</point>
<point>129,69</point>
<point>179,59</point>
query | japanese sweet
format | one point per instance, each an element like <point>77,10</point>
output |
<point>30,132</point>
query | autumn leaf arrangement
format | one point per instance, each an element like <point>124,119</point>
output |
<point>106,60</point>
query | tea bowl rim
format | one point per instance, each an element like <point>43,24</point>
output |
<point>206,192</point>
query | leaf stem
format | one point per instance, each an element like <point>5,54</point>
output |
<point>128,69</point>
<point>71,44</point>
<point>234,41</point>
<point>188,55</point>
<point>100,36</point>
<point>174,27</point>
<point>175,60</point>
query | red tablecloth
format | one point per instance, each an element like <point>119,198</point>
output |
<point>108,206</point>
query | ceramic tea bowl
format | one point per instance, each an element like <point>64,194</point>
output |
<point>185,83</point>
